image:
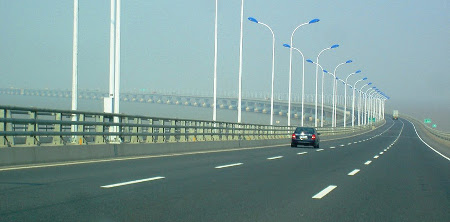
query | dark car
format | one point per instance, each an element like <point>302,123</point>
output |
<point>307,136</point>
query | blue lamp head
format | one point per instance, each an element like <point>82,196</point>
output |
<point>369,83</point>
<point>253,20</point>
<point>325,71</point>
<point>287,45</point>
<point>309,60</point>
<point>334,46</point>
<point>314,21</point>
<point>349,61</point>
<point>374,87</point>
<point>357,71</point>
<point>337,78</point>
<point>365,78</point>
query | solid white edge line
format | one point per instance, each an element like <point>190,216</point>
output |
<point>355,171</point>
<point>228,165</point>
<point>132,182</point>
<point>275,157</point>
<point>302,153</point>
<point>319,150</point>
<point>427,143</point>
<point>324,192</point>
<point>368,162</point>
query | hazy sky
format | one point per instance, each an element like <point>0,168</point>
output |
<point>401,46</point>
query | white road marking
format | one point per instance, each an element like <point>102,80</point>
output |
<point>385,150</point>
<point>134,158</point>
<point>368,162</point>
<point>302,153</point>
<point>332,147</point>
<point>324,192</point>
<point>355,142</point>
<point>359,141</point>
<point>349,144</point>
<point>319,150</point>
<point>342,145</point>
<point>355,171</point>
<point>229,165</point>
<point>275,157</point>
<point>376,157</point>
<point>132,182</point>
<point>381,153</point>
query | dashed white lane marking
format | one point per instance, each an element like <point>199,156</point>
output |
<point>332,147</point>
<point>376,157</point>
<point>368,162</point>
<point>355,142</point>
<point>319,150</point>
<point>302,153</point>
<point>342,145</point>
<point>381,153</point>
<point>359,141</point>
<point>228,165</point>
<point>324,192</point>
<point>132,182</point>
<point>355,171</point>
<point>385,150</point>
<point>275,157</point>
<point>349,144</point>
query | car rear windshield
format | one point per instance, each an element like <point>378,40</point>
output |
<point>304,130</point>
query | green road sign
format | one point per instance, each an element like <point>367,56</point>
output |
<point>434,125</point>
<point>427,121</point>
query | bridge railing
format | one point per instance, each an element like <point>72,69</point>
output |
<point>36,126</point>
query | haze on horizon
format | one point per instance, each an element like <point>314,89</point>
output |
<point>401,46</point>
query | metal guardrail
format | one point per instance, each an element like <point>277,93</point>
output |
<point>36,126</point>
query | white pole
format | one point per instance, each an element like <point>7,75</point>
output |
<point>353,101</point>
<point>112,48</point>
<point>345,98</point>
<point>75,64</point>
<point>117,68</point>
<point>317,70</point>
<point>273,71</point>
<point>240,63</point>
<point>215,67</point>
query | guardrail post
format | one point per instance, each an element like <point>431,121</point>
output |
<point>32,127</point>
<point>173,124</point>
<point>150,138</point>
<point>200,131</point>
<point>99,129</point>
<point>81,139</point>
<point>159,132</point>
<point>192,130</point>
<point>7,127</point>
<point>208,130</point>
<point>216,132</point>
<point>57,140</point>
<point>183,137</point>
<point>135,130</point>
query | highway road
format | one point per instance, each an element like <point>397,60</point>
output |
<point>385,175</point>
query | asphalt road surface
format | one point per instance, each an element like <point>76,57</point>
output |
<point>388,174</point>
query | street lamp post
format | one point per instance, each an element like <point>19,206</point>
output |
<point>290,70</point>
<point>353,100</point>
<point>360,108</point>
<point>215,66</point>
<point>273,65</point>
<point>317,67</point>
<point>303,59</point>
<point>240,63</point>
<point>323,71</point>
<point>333,122</point>
<point>75,65</point>
<point>345,97</point>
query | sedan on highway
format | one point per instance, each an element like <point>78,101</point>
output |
<point>307,136</point>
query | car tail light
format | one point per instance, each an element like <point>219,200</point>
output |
<point>313,137</point>
<point>293,136</point>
